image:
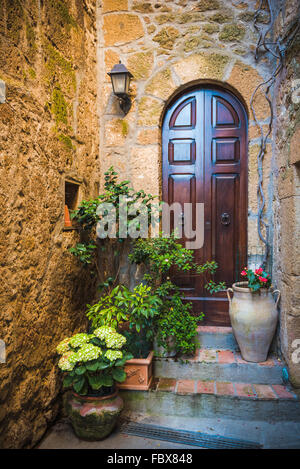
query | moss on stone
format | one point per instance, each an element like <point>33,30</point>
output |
<point>32,72</point>
<point>193,29</point>
<point>204,5</point>
<point>59,107</point>
<point>232,32</point>
<point>240,51</point>
<point>210,28</point>
<point>246,16</point>
<point>149,111</point>
<point>141,64</point>
<point>166,18</point>
<point>192,43</point>
<point>167,37</point>
<point>66,140</point>
<point>205,37</point>
<point>56,61</point>
<point>142,7</point>
<point>189,17</point>
<point>14,20</point>
<point>161,84</point>
<point>151,29</point>
<point>63,13</point>
<point>125,127</point>
<point>221,17</point>
<point>30,35</point>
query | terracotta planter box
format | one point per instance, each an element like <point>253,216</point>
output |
<point>139,373</point>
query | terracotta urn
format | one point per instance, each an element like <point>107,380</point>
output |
<point>253,317</point>
<point>93,417</point>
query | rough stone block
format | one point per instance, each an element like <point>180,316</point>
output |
<point>121,28</point>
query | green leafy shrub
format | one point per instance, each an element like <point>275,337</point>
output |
<point>138,308</point>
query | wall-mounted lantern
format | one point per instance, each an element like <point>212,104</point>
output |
<point>120,79</point>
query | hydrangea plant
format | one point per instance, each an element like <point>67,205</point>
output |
<point>93,363</point>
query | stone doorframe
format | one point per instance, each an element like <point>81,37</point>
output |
<point>132,143</point>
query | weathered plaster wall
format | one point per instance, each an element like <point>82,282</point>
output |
<point>48,130</point>
<point>167,45</point>
<point>286,205</point>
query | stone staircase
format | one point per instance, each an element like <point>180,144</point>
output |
<point>217,383</point>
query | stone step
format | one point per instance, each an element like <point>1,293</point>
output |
<point>217,338</point>
<point>215,399</point>
<point>220,365</point>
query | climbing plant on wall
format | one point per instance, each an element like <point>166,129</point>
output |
<point>278,50</point>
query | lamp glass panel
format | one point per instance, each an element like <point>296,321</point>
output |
<point>127,84</point>
<point>119,83</point>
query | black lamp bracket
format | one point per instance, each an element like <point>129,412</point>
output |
<point>125,103</point>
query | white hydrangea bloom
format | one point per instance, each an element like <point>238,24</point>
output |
<point>63,346</point>
<point>67,361</point>
<point>115,340</point>
<point>79,339</point>
<point>113,355</point>
<point>89,352</point>
<point>102,332</point>
<point>111,337</point>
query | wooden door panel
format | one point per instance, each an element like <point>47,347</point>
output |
<point>204,146</point>
<point>224,220</point>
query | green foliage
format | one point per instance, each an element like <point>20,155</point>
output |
<point>177,328</point>
<point>59,106</point>
<point>162,253</point>
<point>89,365</point>
<point>138,308</point>
<point>154,308</point>
<point>86,215</point>
<point>84,252</point>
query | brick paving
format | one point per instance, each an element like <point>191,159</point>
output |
<point>239,390</point>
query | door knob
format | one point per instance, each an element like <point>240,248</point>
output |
<point>225,218</point>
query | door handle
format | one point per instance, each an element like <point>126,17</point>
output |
<point>225,219</point>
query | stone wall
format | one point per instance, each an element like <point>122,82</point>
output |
<point>167,45</point>
<point>286,207</point>
<point>48,131</point>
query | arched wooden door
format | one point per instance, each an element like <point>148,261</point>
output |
<point>204,149</point>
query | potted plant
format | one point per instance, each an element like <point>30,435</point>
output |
<point>120,303</point>
<point>93,365</point>
<point>253,314</point>
<point>175,325</point>
<point>133,313</point>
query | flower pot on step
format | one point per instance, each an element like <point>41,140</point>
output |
<point>139,373</point>
<point>253,317</point>
<point>93,417</point>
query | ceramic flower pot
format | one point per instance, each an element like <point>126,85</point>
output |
<point>93,418</point>
<point>253,317</point>
<point>139,374</point>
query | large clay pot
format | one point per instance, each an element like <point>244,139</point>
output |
<point>253,318</point>
<point>93,418</point>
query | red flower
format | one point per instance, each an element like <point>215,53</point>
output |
<point>243,273</point>
<point>259,271</point>
<point>262,279</point>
